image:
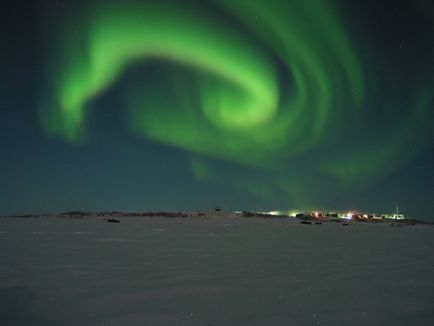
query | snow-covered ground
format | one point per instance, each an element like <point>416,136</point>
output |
<point>220,271</point>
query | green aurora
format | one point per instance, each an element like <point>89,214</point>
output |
<point>272,87</point>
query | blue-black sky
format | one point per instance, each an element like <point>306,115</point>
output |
<point>116,167</point>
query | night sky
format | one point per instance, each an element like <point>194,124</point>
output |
<point>248,105</point>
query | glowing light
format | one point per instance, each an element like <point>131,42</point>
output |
<point>275,213</point>
<point>247,119</point>
<point>266,93</point>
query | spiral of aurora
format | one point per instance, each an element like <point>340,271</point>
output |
<point>272,85</point>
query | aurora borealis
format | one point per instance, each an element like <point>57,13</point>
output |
<point>237,101</point>
<point>289,103</point>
